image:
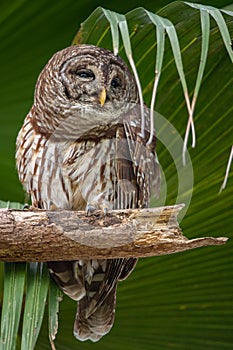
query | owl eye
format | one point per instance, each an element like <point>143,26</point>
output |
<point>85,74</point>
<point>115,83</point>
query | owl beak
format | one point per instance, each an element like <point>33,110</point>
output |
<point>102,96</point>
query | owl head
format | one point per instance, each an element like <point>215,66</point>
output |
<point>82,88</point>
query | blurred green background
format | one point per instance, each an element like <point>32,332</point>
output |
<point>182,301</point>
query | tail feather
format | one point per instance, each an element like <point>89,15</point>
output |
<point>93,283</point>
<point>99,323</point>
<point>63,272</point>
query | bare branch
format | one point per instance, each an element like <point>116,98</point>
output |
<point>39,235</point>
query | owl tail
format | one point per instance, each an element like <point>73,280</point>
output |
<point>93,325</point>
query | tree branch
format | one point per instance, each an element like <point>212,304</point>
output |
<point>39,235</point>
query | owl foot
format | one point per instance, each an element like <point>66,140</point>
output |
<point>91,208</point>
<point>105,210</point>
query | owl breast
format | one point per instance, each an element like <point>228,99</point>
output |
<point>90,167</point>
<point>70,174</point>
<point>93,171</point>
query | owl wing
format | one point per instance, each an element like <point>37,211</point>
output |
<point>143,156</point>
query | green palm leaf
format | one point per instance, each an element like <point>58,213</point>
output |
<point>36,295</point>
<point>14,279</point>
<point>184,300</point>
<point>14,283</point>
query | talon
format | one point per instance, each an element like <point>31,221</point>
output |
<point>26,206</point>
<point>89,209</point>
<point>105,212</point>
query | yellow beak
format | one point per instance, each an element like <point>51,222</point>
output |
<point>102,97</point>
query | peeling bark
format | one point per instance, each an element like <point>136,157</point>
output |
<point>39,235</point>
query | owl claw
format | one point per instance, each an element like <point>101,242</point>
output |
<point>105,212</point>
<point>89,209</point>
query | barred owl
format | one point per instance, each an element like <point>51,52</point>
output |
<point>80,145</point>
